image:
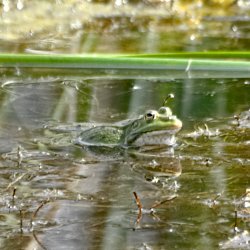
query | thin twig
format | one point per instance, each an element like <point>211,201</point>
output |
<point>235,221</point>
<point>215,199</point>
<point>21,220</point>
<point>139,205</point>
<point>164,201</point>
<point>15,181</point>
<point>13,196</point>
<point>38,241</point>
<point>37,210</point>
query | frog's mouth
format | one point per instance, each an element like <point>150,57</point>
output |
<point>160,134</point>
<point>160,137</point>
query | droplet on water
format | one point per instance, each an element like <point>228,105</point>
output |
<point>192,37</point>
<point>19,5</point>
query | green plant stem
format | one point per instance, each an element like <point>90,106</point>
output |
<point>234,55</point>
<point>188,61</point>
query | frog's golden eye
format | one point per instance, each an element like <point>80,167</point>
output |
<point>165,111</point>
<point>149,116</point>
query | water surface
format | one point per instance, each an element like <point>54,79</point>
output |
<point>54,195</point>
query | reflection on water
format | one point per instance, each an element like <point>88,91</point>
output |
<point>73,26</point>
<point>53,196</point>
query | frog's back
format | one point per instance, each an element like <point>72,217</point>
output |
<point>101,135</point>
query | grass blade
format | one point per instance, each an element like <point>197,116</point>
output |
<point>173,65</point>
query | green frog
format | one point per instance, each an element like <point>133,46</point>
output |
<point>152,128</point>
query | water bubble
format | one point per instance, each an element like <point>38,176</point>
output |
<point>234,28</point>
<point>6,6</point>
<point>19,5</point>
<point>192,37</point>
<point>243,4</point>
<point>76,25</point>
<point>154,163</point>
<point>136,87</point>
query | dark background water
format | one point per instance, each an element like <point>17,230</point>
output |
<point>90,200</point>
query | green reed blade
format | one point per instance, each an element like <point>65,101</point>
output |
<point>183,61</point>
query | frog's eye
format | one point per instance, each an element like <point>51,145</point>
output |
<point>149,116</point>
<point>165,111</point>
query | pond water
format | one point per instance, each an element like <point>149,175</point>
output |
<point>54,195</point>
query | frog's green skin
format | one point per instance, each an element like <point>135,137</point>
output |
<point>152,128</point>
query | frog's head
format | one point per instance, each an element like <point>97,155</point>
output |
<point>153,128</point>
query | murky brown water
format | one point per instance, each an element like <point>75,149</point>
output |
<point>55,195</point>
<point>66,198</point>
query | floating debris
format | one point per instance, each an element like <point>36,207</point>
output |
<point>203,132</point>
<point>239,241</point>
